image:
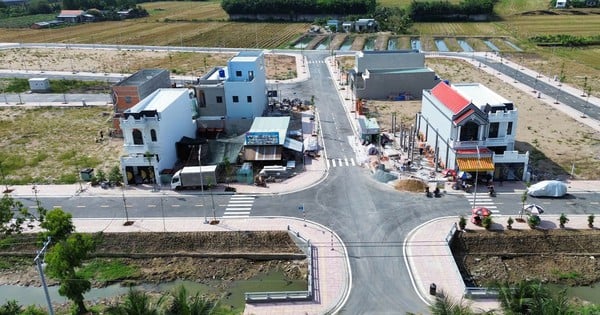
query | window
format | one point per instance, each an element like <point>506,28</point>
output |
<point>219,99</point>
<point>249,99</point>
<point>236,99</point>
<point>509,128</point>
<point>469,132</point>
<point>494,130</point>
<point>137,136</point>
<point>128,99</point>
<point>238,73</point>
<point>153,135</point>
<point>250,75</point>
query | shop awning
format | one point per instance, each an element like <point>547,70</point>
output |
<point>262,153</point>
<point>293,144</point>
<point>475,164</point>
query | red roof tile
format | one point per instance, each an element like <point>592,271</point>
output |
<point>464,116</point>
<point>449,97</point>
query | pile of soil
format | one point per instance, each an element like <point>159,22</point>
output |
<point>161,257</point>
<point>570,257</point>
<point>411,184</point>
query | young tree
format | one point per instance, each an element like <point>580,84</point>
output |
<point>58,225</point>
<point>12,215</point>
<point>63,259</point>
<point>136,303</point>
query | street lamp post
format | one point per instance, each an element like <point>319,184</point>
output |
<point>201,180</point>
<point>476,176</point>
<point>38,262</point>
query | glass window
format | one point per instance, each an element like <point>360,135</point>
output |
<point>238,73</point>
<point>249,99</point>
<point>153,135</point>
<point>509,128</point>
<point>128,99</point>
<point>494,130</point>
<point>236,99</point>
<point>219,99</point>
<point>137,136</point>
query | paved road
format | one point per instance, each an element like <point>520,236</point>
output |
<point>371,218</point>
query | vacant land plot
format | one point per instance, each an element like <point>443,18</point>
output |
<point>554,140</point>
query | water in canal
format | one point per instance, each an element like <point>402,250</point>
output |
<point>273,281</point>
<point>369,44</point>
<point>347,44</point>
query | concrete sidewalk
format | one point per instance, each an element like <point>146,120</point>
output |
<point>429,259</point>
<point>331,269</point>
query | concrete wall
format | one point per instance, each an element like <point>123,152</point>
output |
<point>252,82</point>
<point>388,60</point>
<point>382,85</point>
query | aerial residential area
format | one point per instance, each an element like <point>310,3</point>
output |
<point>303,157</point>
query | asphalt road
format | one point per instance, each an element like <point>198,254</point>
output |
<point>371,218</point>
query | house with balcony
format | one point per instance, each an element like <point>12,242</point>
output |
<point>230,97</point>
<point>150,130</point>
<point>468,127</point>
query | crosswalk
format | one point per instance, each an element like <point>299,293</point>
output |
<point>339,162</point>
<point>483,200</point>
<point>316,61</point>
<point>239,206</point>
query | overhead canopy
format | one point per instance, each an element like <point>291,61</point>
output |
<point>262,153</point>
<point>475,164</point>
<point>293,144</point>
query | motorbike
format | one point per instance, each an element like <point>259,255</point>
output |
<point>491,191</point>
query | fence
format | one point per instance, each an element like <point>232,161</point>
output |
<point>451,233</point>
<point>286,296</point>
<point>482,293</point>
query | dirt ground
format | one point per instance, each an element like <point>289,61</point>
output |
<point>569,257</point>
<point>554,140</point>
<point>171,256</point>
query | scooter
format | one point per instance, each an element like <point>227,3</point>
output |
<point>491,191</point>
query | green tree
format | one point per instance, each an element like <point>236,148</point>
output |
<point>58,225</point>
<point>115,175</point>
<point>63,259</point>
<point>10,307</point>
<point>444,305</point>
<point>185,304</point>
<point>136,303</point>
<point>12,215</point>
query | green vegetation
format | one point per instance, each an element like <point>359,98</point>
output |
<point>565,40</point>
<point>446,11</point>
<point>24,21</point>
<point>39,147</point>
<point>291,8</point>
<point>572,275</point>
<point>18,85</point>
<point>108,270</point>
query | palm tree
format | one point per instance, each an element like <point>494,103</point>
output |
<point>446,306</point>
<point>136,303</point>
<point>184,304</point>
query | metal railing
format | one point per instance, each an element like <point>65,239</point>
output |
<point>450,235</point>
<point>286,296</point>
<point>481,293</point>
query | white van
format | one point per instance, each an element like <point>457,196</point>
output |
<point>276,171</point>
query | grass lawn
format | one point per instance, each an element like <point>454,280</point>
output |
<point>51,145</point>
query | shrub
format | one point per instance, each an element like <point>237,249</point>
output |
<point>487,222</point>
<point>534,221</point>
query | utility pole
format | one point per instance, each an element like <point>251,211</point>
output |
<point>201,180</point>
<point>38,261</point>
<point>476,175</point>
<point>127,222</point>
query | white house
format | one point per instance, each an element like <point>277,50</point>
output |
<point>150,130</point>
<point>231,97</point>
<point>468,127</point>
<point>561,4</point>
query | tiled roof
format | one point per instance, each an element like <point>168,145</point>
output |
<point>475,164</point>
<point>464,116</point>
<point>449,97</point>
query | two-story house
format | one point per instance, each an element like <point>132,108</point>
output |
<point>150,130</point>
<point>230,97</point>
<point>468,127</point>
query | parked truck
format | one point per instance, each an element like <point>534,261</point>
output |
<point>189,177</point>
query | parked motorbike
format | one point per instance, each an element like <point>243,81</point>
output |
<point>428,193</point>
<point>437,193</point>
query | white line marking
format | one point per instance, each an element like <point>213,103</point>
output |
<point>80,206</point>
<point>236,209</point>
<point>151,206</point>
<point>235,216</point>
<point>175,206</point>
<point>203,205</point>
<point>104,206</point>
<point>241,201</point>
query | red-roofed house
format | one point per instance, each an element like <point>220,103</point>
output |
<point>471,128</point>
<point>70,16</point>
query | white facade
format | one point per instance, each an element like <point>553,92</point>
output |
<point>231,97</point>
<point>150,130</point>
<point>469,123</point>
<point>246,86</point>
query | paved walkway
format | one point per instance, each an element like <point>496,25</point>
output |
<point>429,259</point>
<point>426,252</point>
